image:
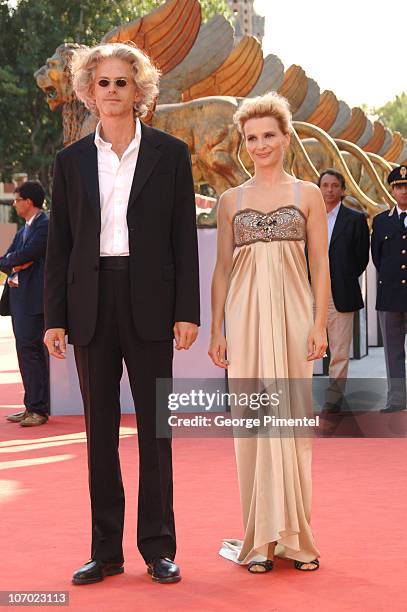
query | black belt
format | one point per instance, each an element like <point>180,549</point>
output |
<point>114,263</point>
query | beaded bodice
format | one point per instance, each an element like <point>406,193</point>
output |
<point>283,223</point>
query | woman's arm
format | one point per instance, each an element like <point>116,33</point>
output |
<point>220,279</point>
<point>317,244</point>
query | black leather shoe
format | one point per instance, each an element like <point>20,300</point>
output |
<point>163,570</point>
<point>329,408</point>
<point>95,571</point>
<point>393,409</point>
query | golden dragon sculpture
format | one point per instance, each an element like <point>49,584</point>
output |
<point>205,74</point>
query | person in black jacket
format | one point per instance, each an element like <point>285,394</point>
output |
<point>389,253</point>
<point>22,298</point>
<point>122,280</point>
<point>348,236</point>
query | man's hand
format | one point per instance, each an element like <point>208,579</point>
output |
<point>54,340</point>
<point>185,335</point>
<point>22,266</point>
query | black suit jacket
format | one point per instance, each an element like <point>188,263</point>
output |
<point>30,280</point>
<point>348,258</point>
<point>389,254</point>
<point>163,258</point>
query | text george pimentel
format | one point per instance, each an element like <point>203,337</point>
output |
<point>248,423</point>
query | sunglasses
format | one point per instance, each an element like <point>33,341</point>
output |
<point>118,82</point>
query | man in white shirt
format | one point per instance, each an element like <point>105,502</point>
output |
<point>122,281</point>
<point>348,236</point>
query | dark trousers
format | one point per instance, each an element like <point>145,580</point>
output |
<point>394,328</point>
<point>31,353</point>
<point>99,366</point>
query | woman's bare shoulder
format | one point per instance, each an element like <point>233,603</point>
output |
<point>231,193</point>
<point>228,199</point>
<point>309,188</point>
<point>311,195</point>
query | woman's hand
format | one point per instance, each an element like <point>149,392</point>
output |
<point>217,350</point>
<point>317,343</point>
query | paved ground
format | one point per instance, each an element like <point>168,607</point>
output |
<point>372,366</point>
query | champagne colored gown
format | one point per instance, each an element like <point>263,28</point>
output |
<point>268,316</point>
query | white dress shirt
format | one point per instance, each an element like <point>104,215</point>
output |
<point>331,216</point>
<point>399,213</point>
<point>115,180</point>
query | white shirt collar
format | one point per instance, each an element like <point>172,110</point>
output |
<point>30,221</point>
<point>334,211</point>
<point>106,146</point>
<point>399,211</point>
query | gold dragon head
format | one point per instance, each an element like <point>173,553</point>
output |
<point>54,78</point>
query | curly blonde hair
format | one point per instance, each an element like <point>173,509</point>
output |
<point>146,75</point>
<point>270,104</point>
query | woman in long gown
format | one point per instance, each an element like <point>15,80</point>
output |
<point>261,290</point>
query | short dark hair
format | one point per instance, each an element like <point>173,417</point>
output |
<point>32,190</point>
<point>334,173</point>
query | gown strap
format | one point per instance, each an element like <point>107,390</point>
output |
<point>297,193</point>
<point>239,198</point>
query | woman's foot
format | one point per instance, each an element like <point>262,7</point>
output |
<point>260,567</point>
<point>311,566</point>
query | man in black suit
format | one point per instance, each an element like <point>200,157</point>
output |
<point>121,281</point>
<point>348,236</point>
<point>23,299</point>
<point>389,253</point>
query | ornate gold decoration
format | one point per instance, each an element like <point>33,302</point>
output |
<point>235,77</point>
<point>166,34</point>
<point>211,79</point>
<point>294,86</point>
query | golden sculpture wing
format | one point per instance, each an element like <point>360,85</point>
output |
<point>294,86</point>
<point>325,114</point>
<point>310,102</point>
<point>271,77</point>
<point>235,77</point>
<point>395,149</point>
<point>356,126</point>
<point>377,139</point>
<point>166,34</point>
<point>213,45</point>
<point>371,207</point>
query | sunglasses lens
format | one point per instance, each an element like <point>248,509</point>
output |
<point>103,83</point>
<point>121,83</point>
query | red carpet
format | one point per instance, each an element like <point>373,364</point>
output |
<point>359,522</point>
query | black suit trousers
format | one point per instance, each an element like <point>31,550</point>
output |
<point>99,366</point>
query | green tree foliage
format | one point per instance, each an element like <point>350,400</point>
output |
<point>394,114</point>
<point>30,31</point>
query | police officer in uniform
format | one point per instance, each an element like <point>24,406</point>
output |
<point>389,253</point>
